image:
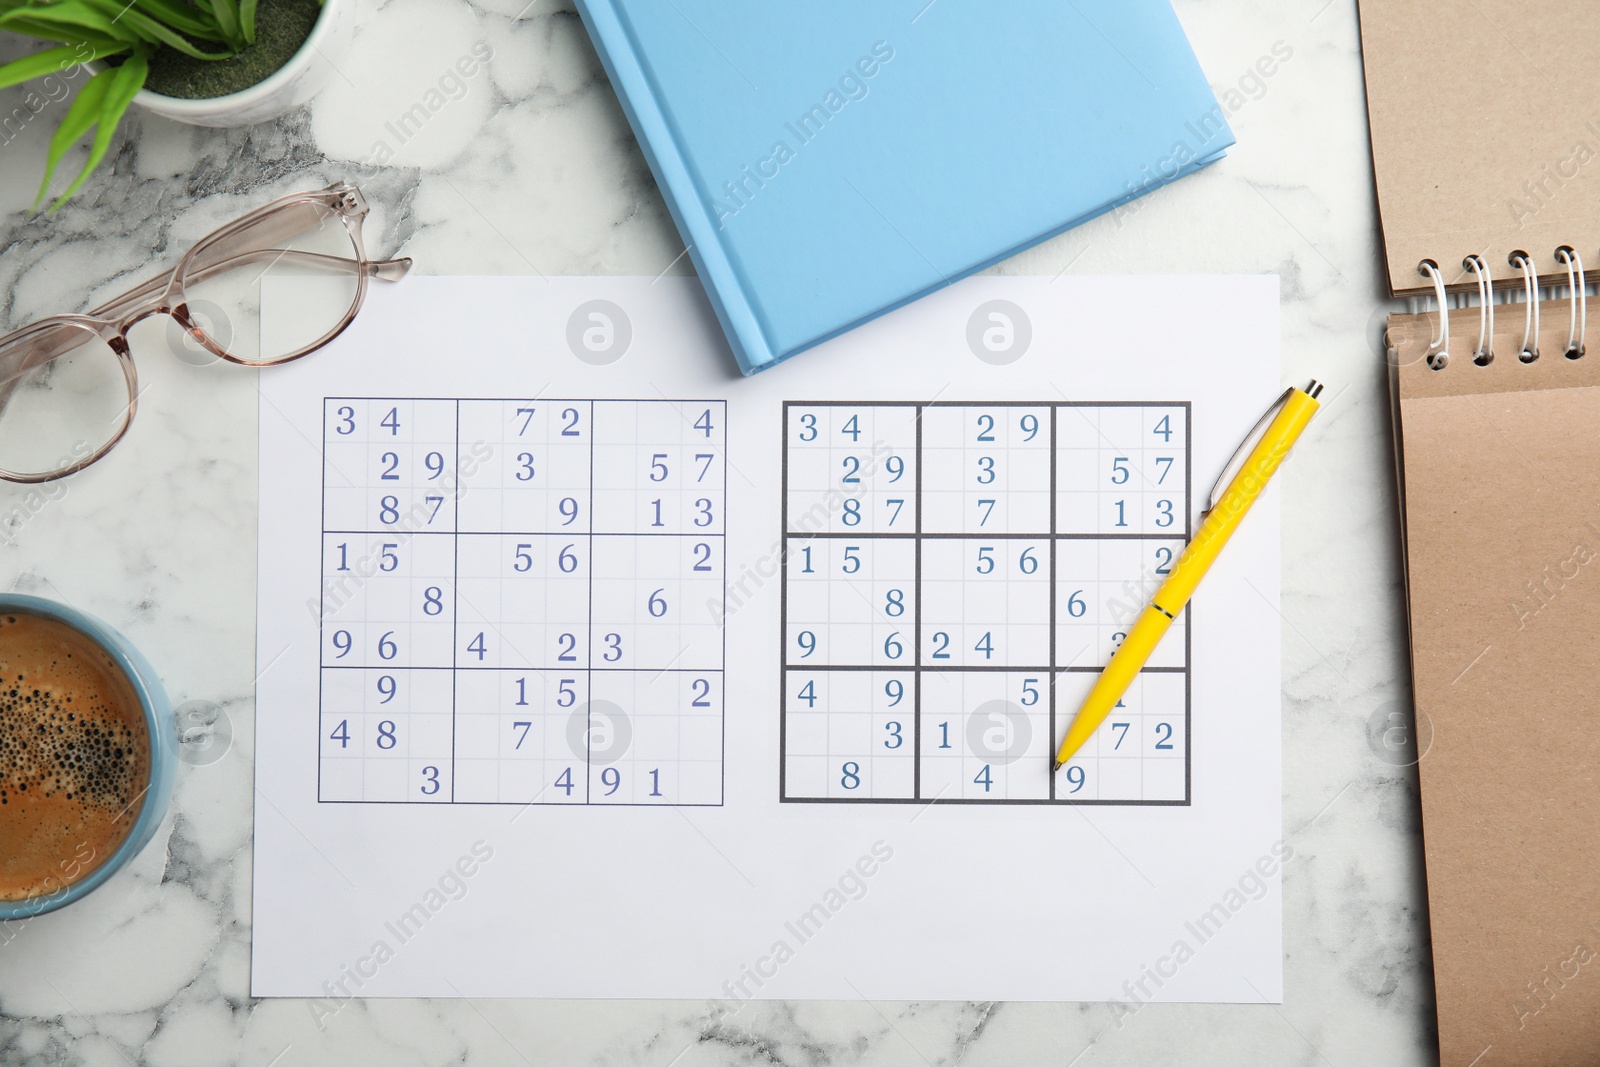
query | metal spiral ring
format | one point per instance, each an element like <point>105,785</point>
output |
<point>1438,348</point>
<point>1530,322</point>
<point>1484,353</point>
<point>1578,298</point>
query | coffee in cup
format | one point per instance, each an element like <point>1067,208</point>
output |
<point>75,754</point>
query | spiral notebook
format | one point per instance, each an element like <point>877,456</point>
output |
<point>1485,130</point>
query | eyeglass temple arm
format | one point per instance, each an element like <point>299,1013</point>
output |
<point>58,342</point>
<point>244,241</point>
<point>389,270</point>
<point>237,243</point>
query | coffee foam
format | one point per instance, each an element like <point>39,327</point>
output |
<point>74,756</point>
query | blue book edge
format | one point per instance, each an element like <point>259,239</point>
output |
<point>619,56</point>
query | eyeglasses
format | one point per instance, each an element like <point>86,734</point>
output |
<point>68,388</point>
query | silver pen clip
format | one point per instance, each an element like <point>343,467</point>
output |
<point>1236,460</point>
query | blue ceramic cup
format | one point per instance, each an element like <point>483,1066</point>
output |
<point>163,735</point>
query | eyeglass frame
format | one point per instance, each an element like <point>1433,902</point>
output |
<point>164,295</point>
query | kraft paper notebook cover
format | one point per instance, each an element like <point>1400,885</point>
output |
<point>1497,423</point>
<point>1485,119</point>
<point>828,162</point>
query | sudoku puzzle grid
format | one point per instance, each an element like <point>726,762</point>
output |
<point>522,601</point>
<point>955,575</point>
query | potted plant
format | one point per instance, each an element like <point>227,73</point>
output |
<point>205,62</point>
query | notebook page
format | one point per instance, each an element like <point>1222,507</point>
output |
<point>1501,469</point>
<point>1484,137</point>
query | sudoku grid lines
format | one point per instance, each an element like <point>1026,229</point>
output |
<point>955,575</point>
<point>521,601</point>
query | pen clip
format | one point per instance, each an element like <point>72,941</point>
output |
<point>1236,460</point>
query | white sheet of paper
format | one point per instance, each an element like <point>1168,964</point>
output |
<point>535,646</point>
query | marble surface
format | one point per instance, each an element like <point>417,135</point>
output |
<point>530,168</point>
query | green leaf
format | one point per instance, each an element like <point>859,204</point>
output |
<point>227,16</point>
<point>145,27</point>
<point>84,113</point>
<point>247,20</point>
<point>66,35</point>
<point>74,16</point>
<point>55,60</point>
<point>156,33</point>
<point>126,81</point>
<point>185,18</point>
<point>151,30</point>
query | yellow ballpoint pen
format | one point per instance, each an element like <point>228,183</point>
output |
<point>1294,410</point>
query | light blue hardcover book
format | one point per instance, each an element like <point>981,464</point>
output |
<point>829,161</point>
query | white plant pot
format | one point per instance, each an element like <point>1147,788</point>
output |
<point>296,82</point>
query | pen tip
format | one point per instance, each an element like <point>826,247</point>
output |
<point>1056,768</point>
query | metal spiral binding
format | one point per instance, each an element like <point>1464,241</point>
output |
<point>1438,348</point>
<point>1530,319</point>
<point>1438,354</point>
<point>1577,298</point>
<point>1484,353</point>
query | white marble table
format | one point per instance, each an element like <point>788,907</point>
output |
<point>532,169</point>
